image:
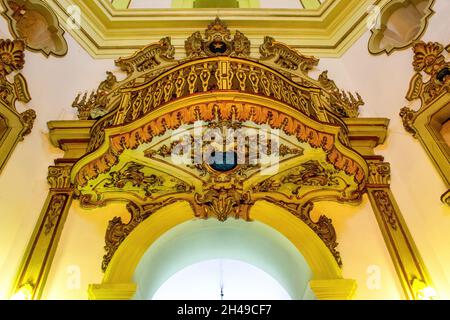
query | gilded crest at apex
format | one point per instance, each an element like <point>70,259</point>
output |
<point>220,85</point>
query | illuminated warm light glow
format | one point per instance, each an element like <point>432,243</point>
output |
<point>204,280</point>
<point>427,293</point>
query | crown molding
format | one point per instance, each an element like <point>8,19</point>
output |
<point>107,32</point>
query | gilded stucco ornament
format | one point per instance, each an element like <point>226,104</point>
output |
<point>148,58</point>
<point>36,23</point>
<point>431,85</point>
<point>16,125</point>
<point>286,57</point>
<point>344,104</point>
<point>399,24</point>
<point>218,86</point>
<point>217,41</point>
<point>429,59</point>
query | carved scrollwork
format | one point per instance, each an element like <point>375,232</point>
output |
<point>117,230</point>
<point>408,116</point>
<point>217,42</point>
<point>55,209</point>
<point>27,118</point>
<point>59,177</point>
<point>429,59</point>
<point>148,58</point>
<point>311,173</point>
<point>379,174</point>
<point>286,57</point>
<point>136,178</point>
<point>342,103</point>
<point>384,205</point>
<point>323,227</point>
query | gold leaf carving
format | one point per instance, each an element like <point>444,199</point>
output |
<point>286,57</point>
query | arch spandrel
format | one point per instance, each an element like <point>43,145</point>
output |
<point>130,151</point>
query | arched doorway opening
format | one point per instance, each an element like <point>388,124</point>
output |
<point>221,279</point>
<point>255,245</point>
<point>274,241</point>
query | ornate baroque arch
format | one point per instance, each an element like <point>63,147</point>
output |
<point>218,85</point>
<point>311,146</point>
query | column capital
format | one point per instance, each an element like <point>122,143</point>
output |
<point>59,177</point>
<point>379,174</point>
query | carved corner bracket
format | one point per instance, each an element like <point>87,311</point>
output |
<point>14,125</point>
<point>36,23</point>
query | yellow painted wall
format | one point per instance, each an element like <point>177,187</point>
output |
<point>382,81</point>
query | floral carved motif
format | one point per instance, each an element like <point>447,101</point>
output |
<point>384,205</point>
<point>344,104</point>
<point>55,210</point>
<point>11,62</point>
<point>429,60</point>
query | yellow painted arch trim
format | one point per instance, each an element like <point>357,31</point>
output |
<point>127,257</point>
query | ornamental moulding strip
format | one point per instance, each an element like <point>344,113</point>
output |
<point>107,32</point>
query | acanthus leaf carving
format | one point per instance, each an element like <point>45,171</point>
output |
<point>54,211</point>
<point>384,205</point>
<point>59,177</point>
<point>117,230</point>
<point>11,62</point>
<point>36,23</point>
<point>344,104</point>
<point>286,57</point>
<point>148,58</point>
<point>429,59</point>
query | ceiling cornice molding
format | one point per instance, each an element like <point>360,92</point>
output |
<point>107,32</point>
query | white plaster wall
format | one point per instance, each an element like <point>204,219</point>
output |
<point>382,81</point>
<point>53,84</point>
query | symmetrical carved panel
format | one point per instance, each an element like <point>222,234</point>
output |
<point>218,86</point>
<point>35,22</point>
<point>217,42</point>
<point>430,84</point>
